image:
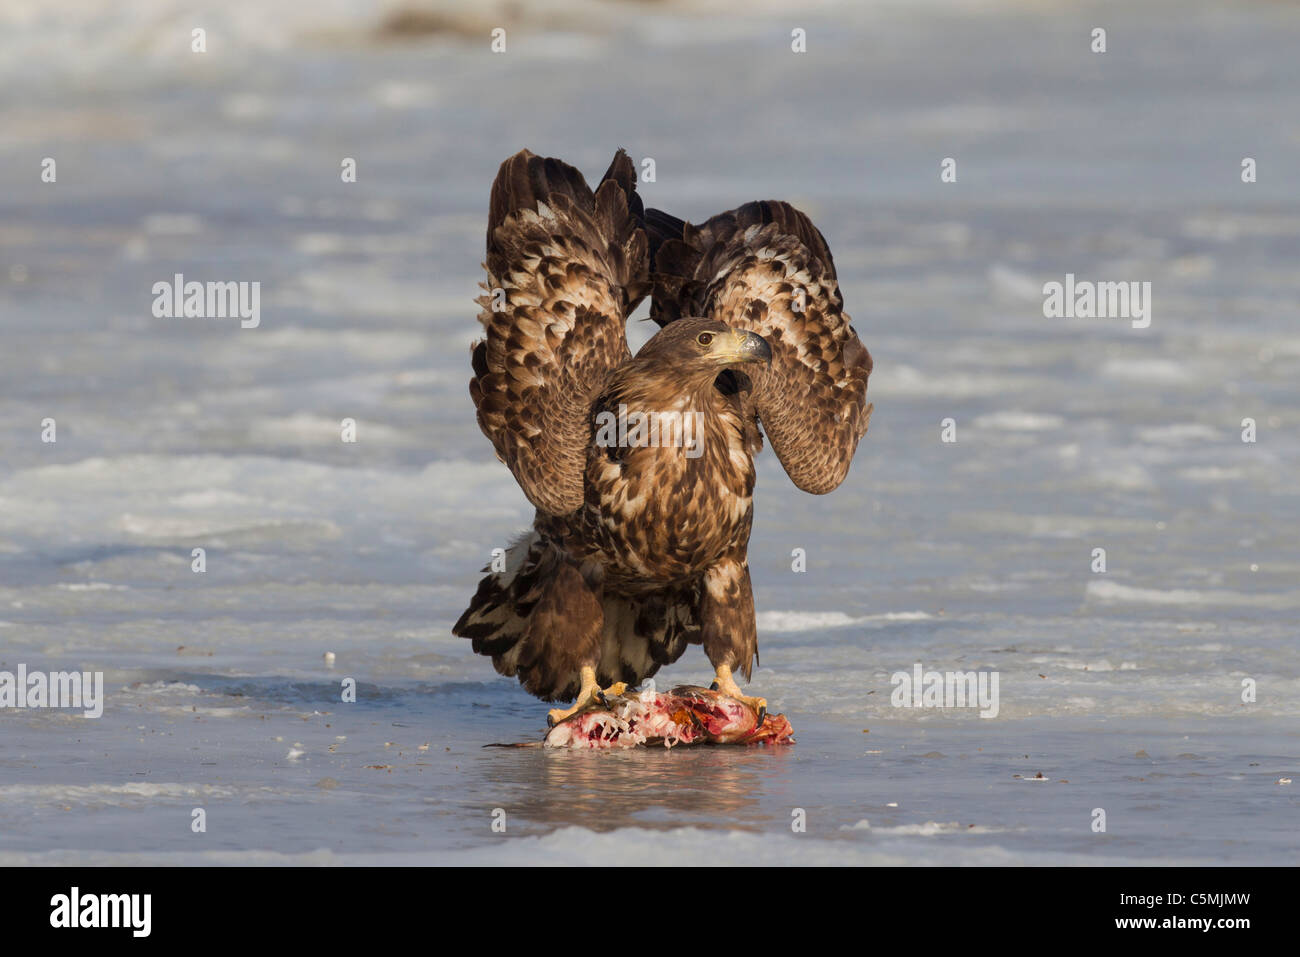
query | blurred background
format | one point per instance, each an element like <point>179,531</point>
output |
<point>1072,434</point>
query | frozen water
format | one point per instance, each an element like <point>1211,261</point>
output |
<point>1122,690</point>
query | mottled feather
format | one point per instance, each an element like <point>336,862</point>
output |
<point>766,268</point>
<point>565,266</point>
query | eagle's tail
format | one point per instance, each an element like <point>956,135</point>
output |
<point>530,616</point>
<point>539,620</point>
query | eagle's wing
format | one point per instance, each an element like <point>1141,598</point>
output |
<point>766,268</point>
<point>565,266</point>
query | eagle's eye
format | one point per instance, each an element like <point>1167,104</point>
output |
<point>704,338</point>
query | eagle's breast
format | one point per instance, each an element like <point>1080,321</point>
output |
<point>660,512</point>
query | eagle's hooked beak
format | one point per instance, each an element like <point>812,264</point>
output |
<point>749,347</point>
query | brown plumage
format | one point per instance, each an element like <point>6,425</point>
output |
<point>639,549</point>
<point>747,267</point>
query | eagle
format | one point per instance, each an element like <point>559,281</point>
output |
<point>639,543</point>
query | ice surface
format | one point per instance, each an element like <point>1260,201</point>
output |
<point>1122,690</point>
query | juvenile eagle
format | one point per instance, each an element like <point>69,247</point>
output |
<point>638,547</point>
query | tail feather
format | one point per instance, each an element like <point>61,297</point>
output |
<point>539,621</point>
<point>497,615</point>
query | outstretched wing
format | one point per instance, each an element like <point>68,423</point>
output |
<point>766,268</point>
<point>565,266</point>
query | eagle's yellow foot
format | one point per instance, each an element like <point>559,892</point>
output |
<point>727,685</point>
<point>590,693</point>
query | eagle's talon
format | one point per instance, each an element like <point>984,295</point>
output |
<point>726,684</point>
<point>589,694</point>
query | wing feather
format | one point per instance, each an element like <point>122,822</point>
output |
<point>565,266</point>
<point>764,267</point>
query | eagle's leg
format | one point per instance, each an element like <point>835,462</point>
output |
<point>590,693</point>
<point>729,630</point>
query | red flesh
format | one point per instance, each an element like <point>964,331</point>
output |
<point>686,715</point>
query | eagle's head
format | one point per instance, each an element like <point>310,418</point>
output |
<point>702,348</point>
